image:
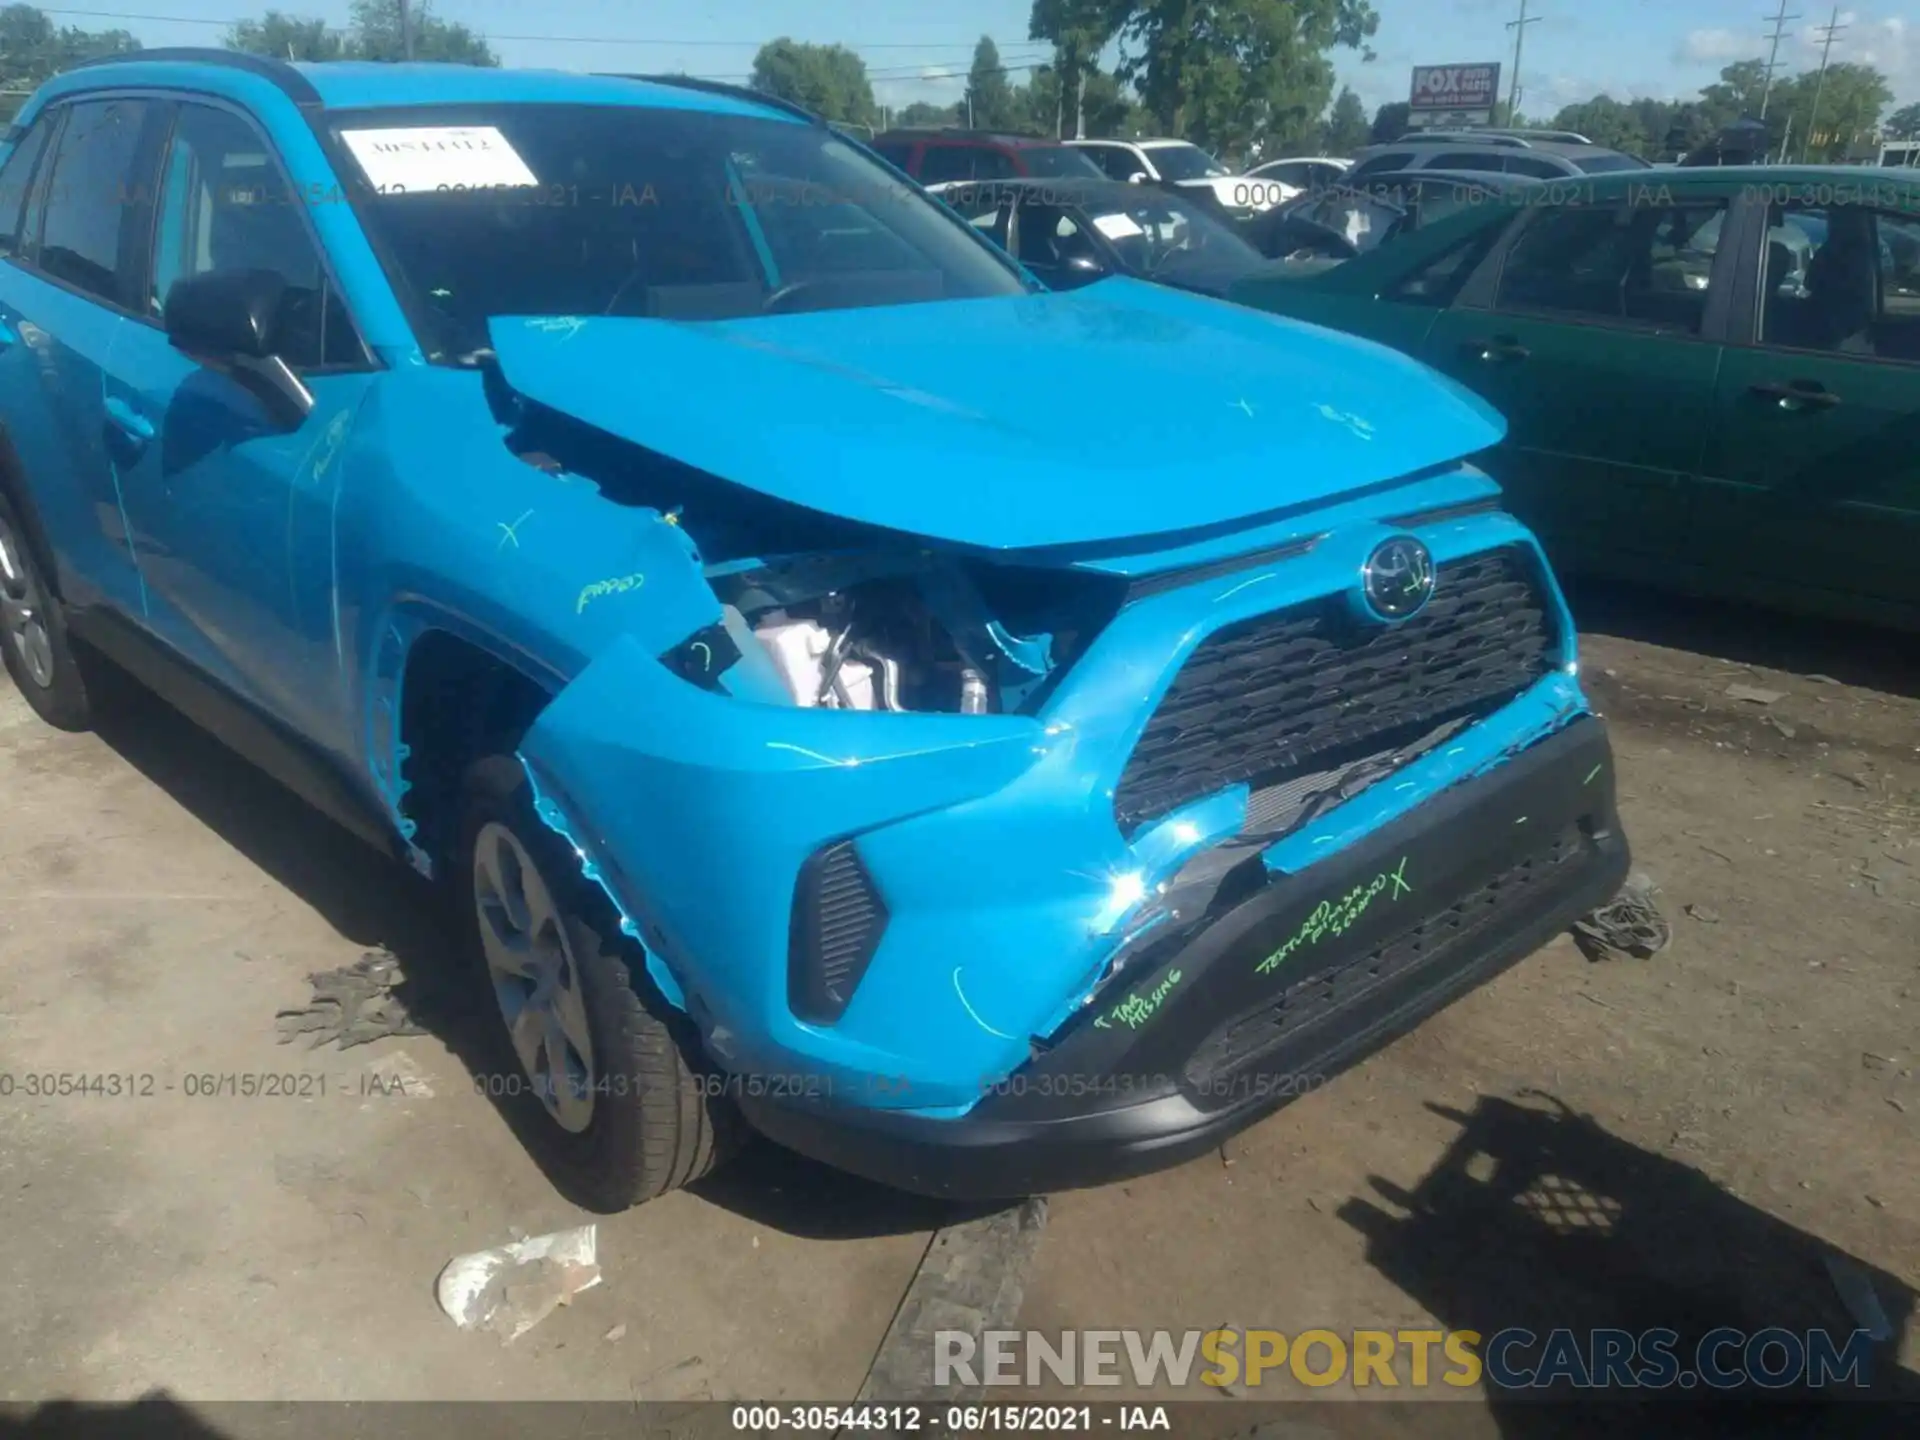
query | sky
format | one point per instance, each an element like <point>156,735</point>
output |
<point>919,50</point>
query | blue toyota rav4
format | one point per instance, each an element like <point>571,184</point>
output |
<point>653,518</point>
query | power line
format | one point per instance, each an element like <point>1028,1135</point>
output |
<point>1832,28</point>
<point>1773,55</point>
<point>1519,28</point>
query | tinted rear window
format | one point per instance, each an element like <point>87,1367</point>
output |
<point>1600,164</point>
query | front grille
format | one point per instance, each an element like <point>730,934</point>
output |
<point>1316,686</point>
<point>837,920</point>
<point>1327,990</point>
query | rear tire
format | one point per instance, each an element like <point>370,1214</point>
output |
<point>33,633</point>
<point>604,1080</point>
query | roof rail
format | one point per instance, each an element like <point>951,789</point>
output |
<point>720,87</point>
<point>295,85</point>
<point>1498,138</point>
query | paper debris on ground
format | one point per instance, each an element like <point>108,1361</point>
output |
<point>510,1289</point>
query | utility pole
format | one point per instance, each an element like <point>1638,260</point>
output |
<point>1519,28</point>
<point>1832,28</point>
<point>406,29</point>
<point>1773,55</point>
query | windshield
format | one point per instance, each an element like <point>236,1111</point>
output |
<point>1184,162</point>
<point>1159,234</point>
<point>674,214</point>
<point>1060,160</point>
<point>1600,164</point>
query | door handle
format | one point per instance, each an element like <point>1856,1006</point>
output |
<point>128,420</point>
<point>1796,396</point>
<point>1500,350</point>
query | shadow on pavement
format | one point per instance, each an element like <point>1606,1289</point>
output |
<point>1857,654</point>
<point>372,900</point>
<point>152,1417</point>
<point>1539,1219</point>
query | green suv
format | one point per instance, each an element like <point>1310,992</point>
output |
<point>1711,376</point>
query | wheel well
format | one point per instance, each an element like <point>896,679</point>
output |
<point>458,703</point>
<point>13,484</point>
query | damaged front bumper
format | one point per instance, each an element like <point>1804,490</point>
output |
<point>1271,997</point>
<point>882,921</point>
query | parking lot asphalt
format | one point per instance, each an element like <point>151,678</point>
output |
<point>1577,1144</point>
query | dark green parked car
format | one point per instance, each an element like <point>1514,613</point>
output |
<point>1711,376</point>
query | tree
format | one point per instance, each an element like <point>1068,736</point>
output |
<point>287,37</point>
<point>1904,123</point>
<point>1834,115</point>
<point>1390,122</point>
<point>989,103</point>
<point>1220,73</point>
<point>829,80</point>
<point>1347,130</point>
<point>1606,121</point>
<point>920,115</point>
<point>32,49</point>
<point>1078,30</point>
<point>377,35</point>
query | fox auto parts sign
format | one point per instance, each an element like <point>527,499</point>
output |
<point>1455,87</point>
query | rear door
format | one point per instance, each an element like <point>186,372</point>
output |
<point>1812,485</point>
<point>65,291</point>
<point>1596,332</point>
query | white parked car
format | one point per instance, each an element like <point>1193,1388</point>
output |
<point>1283,179</point>
<point>1182,166</point>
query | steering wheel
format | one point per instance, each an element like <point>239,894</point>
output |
<point>778,298</point>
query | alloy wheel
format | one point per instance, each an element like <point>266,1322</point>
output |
<point>535,979</point>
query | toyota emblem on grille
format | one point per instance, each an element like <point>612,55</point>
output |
<point>1397,580</point>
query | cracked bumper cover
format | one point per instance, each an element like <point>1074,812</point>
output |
<point>1213,1032</point>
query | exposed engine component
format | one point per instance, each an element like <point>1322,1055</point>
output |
<point>901,630</point>
<point>820,669</point>
<point>839,654</point>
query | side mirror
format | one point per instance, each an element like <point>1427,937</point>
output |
<point>228,320</point>
<point>225,313</point>
<point>1138,177</point>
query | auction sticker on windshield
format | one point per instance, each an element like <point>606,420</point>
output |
<point>438,157</point>
<point>1117,227</point>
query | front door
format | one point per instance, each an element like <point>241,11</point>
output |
<point>232,506</point>
<point>1812,485</point>
<point>1600,344</point>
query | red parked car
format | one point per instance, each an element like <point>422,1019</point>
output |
<point>935,157</point>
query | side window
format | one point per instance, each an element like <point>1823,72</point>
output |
<point>1380,164</point>
<point>94,198</point>
<point>942,163</point>
<point>1119,162</point>
<point>1844,279</point>
<point>1466,160</point>
<point>1440,279</point>
<point>15,180</point>
<point>1631,263</point>
<point>222,207</point>
<point>1529,166</point>
<point>993,165</point>
<point>896,153</point>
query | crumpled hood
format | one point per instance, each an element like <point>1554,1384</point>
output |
<point>1119,411</point>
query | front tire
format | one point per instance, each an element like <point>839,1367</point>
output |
<point>33,633</point>
<point>604,1080</point>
